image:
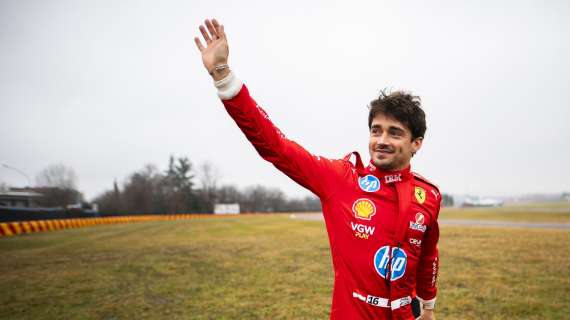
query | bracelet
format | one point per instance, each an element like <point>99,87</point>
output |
<point>220,67</point>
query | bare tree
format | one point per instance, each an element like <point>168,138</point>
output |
<point>263,199</point>
<point>58,185</point>
<point>209,176</point>
<point>229,194</point>
<point>140,190</point>
<point>57,176</point>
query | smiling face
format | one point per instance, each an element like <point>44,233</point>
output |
<point>391,145</point>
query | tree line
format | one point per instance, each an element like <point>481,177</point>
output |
<point>182,189</point>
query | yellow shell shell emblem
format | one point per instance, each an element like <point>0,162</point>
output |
<point>420,194</point>
<point>363,209</point>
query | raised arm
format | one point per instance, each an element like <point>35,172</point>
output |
<point>316,173</point>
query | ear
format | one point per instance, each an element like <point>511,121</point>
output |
<point>417,144</point>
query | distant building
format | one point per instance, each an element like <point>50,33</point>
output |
<point>19,198</point>
<point>482,202</point>
<point>226,208</point>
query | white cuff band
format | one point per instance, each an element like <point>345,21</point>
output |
<point>228,87</point>
<point>427,304</point>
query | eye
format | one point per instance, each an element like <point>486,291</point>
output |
<point>396,133</point>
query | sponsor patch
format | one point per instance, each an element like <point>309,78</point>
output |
<point>363,209</point>
<point>393,178</point>
<point>420,218</point>
<point>369,183</point>
<point>419,224</point>
<point>434,272</point>
<point>397,265</point>
<point>420,194</point>
<point>415,242</point>
<point>362,231</point>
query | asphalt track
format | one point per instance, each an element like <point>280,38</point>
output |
<point>463,222</point>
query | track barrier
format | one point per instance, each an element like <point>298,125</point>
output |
<point>8,229</point>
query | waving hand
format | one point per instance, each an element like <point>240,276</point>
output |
<point>215,53</point>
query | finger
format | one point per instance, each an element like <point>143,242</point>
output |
<point>199,44</point>
<point>219,29</point>
<point>222,33</point>
<point>205,34</point>
<point>212,30</point>
<point>216,25</point>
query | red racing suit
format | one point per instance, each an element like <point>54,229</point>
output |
<point>382,226</point>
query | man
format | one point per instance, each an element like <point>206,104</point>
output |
<point>381,219</point>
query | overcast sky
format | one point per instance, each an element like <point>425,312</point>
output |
<point>106,87</point>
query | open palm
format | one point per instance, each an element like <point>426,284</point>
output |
<point>216,51</point>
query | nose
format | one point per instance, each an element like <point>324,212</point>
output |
<point>382,139</point>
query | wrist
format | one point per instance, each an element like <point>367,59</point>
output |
<point>427,304</point>
<point>228,87</point>
<point>220,71</point>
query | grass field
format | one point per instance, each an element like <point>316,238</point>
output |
<point>541,212</point>
<point>261,267</point>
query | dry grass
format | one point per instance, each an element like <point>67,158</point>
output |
<point>259,268</point>
<point>549,212</point>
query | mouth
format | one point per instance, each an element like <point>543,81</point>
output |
<point>383,153</point>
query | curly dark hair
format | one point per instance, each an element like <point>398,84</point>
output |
<point>402,106</point>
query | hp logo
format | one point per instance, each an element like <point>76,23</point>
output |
<point>398,265</point>
<point>369,183</point>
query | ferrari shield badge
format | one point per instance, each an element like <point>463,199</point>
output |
<point>420,194</point>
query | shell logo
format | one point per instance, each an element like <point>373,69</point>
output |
<point>363,209</point>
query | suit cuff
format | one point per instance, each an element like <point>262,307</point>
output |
<point>228,87</point>
<point>427,304</point>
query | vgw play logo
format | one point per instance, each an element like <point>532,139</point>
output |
<point>398,264</point>
<point>362,231</point>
